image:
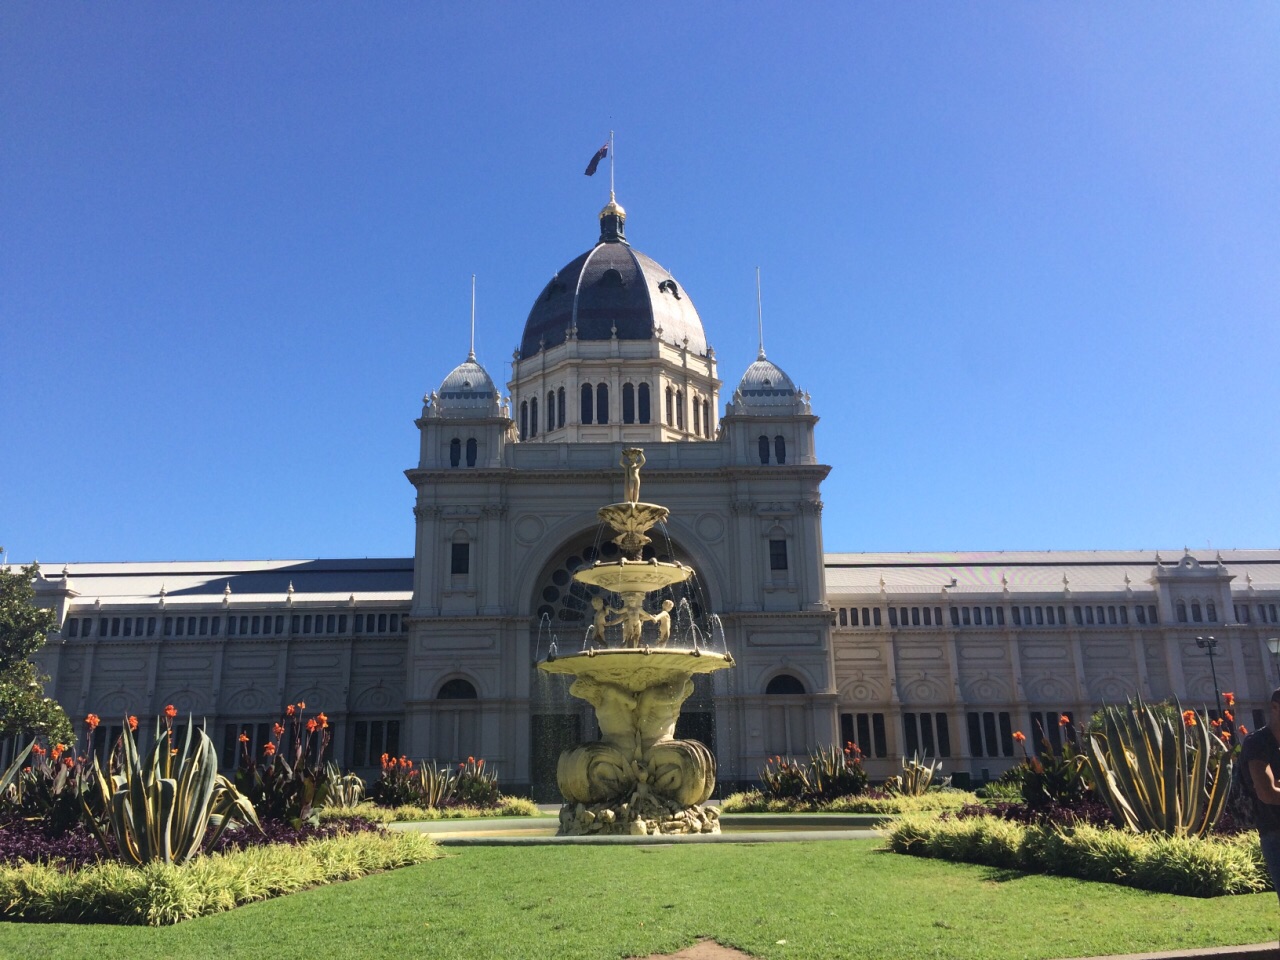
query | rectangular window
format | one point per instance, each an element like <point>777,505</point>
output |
<point>128,626</point>
<point>331,623</point>
<point>864,733</point>
<point>306,623</point>
<point>944,734</point>
<point>1102,618</point>
<point>777,554</point>
<point>1124,616</point>
<point>1062,616</point>
<point>359,623</point>
<point>1049,615</point>
<point>73,628</point>
<point>204,626</point>
<point>987,616</point>
<point>915,616</point>
<point>910,735</point>
<point>115,626</point>
<point>1006,734</point>
<point>893,616</point>
<point>964,616</point>
<point>878,740</point>
<point>1078,614</point>
<point>1141,612</point>
<point>1151,614</point>
<point>875,616</point>
<point>977,616</point>
<point>1017,616</point>
<point>844,617</point>
<point>460,559</point>
<point>342,623</point>
<point>866,618</point>
<point>927,746</point>
<point>244,625</point>
<point>1088,615</point>
<point>1111,615</point>
<point>955,616</point>
<point>937,615</point>
<point>1026,616</point>
<point>168,626</point>
<point>1000,616</point>
<point>1039,616</point>
<point>181,624</point>
<point>928,617</point>
<point>853,616</point>
<point>295,623</point>
<point>255,626</point>
<point>382,623</point>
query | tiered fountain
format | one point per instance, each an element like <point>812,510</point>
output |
<point>637,779</point>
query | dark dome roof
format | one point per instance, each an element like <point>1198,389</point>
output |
<point>612,285</point>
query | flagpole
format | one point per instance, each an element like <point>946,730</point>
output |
<point>472,355</point>
<point>759,315</point>
<point>612,153</point>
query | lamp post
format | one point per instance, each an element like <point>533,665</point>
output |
<point>1273,644</point>
<point>1210,644</point>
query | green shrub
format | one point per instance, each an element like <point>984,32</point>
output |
<point>160,894</point>
<point>408,813</point>
<point>1190,866</point>
<point>829,774</point>
<point>289,782</point>
<point>753,801</point>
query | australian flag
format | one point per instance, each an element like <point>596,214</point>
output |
<point>595,161</point>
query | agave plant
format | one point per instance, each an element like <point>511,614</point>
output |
<point>161,808</point>
<point>1158,770</point>
<point>345,789</point>
<point>435,785</point>
<point>9,778</point>
<point>915,777</point>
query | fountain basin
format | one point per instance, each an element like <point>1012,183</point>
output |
<point>633,576</point>
<point>638,670</point>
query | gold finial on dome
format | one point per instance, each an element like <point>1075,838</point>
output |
<point>613,209</point>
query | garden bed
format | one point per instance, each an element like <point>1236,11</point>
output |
<point>943,800</point>
<point>507,807</point>
<point>1208,867</point>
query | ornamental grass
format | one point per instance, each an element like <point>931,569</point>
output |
<point>872,802</point>
<point>407,813</point>
<point>159,894</point>
<point>1189,866</point>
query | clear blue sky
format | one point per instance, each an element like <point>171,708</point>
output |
<point>1025,256</point>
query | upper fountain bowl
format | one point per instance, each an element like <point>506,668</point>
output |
<point>632,521</point>
<point>633,576</point>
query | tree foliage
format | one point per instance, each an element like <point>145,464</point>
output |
<point>24,708</point>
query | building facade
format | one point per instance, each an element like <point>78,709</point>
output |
<point>432,656</point>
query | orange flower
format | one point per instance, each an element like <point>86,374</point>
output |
<point>278,730</point>
<point>1189,717</point>
<point>244,737</point>
<point>302,705</point>
<point>1229,697</point>
<point>170,711</point>
<point>38,750</point>
<point>312,725</point>
<point>324,721</point>
<point>288,711</point>
<point>1064,721</point>
<point>269,749</point>
<point>92,721</point>
<point>471,759</point>
<point>1019,736</point>
<point>69,762</point>
<point>1242,729</point>
<point>1215,723</point>
<point>1226,736</point>
<point>1228,716</point>
<point>133,722</point>
<point>480,762</point>
<point>58,750</point>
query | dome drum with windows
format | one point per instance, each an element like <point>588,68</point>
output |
<point>637,779</point>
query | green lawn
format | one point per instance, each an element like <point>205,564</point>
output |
<point>833,899</point>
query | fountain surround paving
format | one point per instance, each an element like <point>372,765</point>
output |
<point>637,779</point>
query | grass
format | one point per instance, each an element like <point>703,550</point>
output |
<point>832,899</point>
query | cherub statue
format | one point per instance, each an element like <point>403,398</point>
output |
<point>601,620</point>
<point>633,617</point>
<point>632,461</point>
<point>663,619</point>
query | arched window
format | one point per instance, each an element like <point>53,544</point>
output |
<point>602,403</point>
<point>455,452</point>
<point>785,685</point>
<point>763,443</point>
<point>533,417</point>
<point>560,407</point>
<point>524,419</point>
<point>679,409</point>
<point>643,402</point>
<point>671,407</point>
<point>1211,612</point>
<point>697,416</point>
<point>1196,615</point>
<point>471,451</point>
<point>551,410</point>
<point>1182,612</point>
<point>779,449</point>
<point>587,396</point>
<point>706,419</point>
<point>628,403</point>
<point>457,689</point>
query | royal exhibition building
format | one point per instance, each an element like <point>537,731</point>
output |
<point>945,655</point>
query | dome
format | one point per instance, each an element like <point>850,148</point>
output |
<point>467,389</point>
<point>612,287</point>
<point>765,385</point>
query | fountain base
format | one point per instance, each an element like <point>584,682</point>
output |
<point>648,816</point>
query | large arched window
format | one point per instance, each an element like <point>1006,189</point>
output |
<point>457,689</point>
<point>628,403</point>
<point>697,416</point>
<point>533,417</point>
<point>524,419</point>
<point>679,409</point>
<point>643,402</point>
<point>779,449</point>
<point>785,685</point>
<point>763,444</point>
<point>706,419</point>
<point>602,403</point>
<point>587,406</point>
<point>1182,612</point>
<point>551,410</point>
<point>455,452</point>
<point>671,407</point>
<point>560,407</point>
<point>471,451</point>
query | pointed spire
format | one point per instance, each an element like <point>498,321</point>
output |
<point>471,354</point>
<point>759,316</point>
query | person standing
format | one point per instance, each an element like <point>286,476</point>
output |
<point>1261,756</point>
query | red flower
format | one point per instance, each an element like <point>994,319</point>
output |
<point>278,730</point>
<point>1227,715</point>
<point>69,762</point>
<point>170,711</point>
<point>38,750</point>
<point>1230,698</point>
<point>1064,721</point>
<point>269,749</point>
<point>133,722</point>
<point>312,725</point>
<point>244,737</point>
<point>1019,736</point>
<point>288,711</point>
<point>92,721</point>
